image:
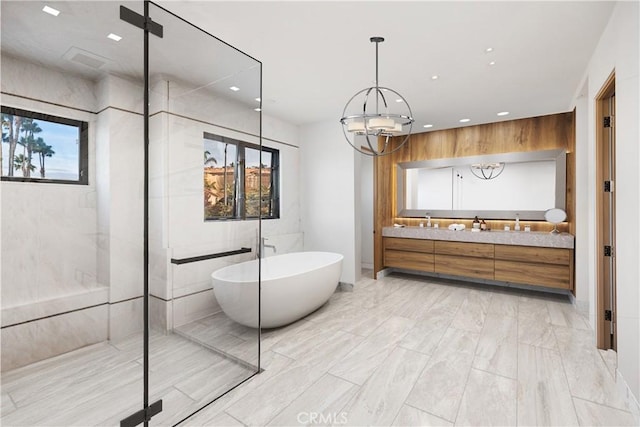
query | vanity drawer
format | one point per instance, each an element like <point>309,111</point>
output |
<point>412,245</point>
<point>476,250</point>
<point>534,254</point>
<point>481,268</point>
<point>552,275</point>
<point>411,260</point>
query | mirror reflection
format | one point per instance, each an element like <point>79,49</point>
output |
<point>494,186</point>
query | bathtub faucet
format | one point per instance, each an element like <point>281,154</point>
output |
<point>263,246</point>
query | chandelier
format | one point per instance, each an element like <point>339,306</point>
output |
<point>487,170</point>
<point>375,120</point>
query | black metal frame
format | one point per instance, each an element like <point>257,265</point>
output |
<point>147,24</point>
<point>239,205</point>
<point>83,146</point>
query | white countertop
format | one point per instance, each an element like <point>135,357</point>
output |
<point>498,237</point>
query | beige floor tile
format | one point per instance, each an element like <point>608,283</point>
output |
<point>428,331</point>
<point>209,420</point>
<point>363,360</point>
<point>440,387</point>
<point>379,400</point>
<point>321,403</point>
<point>410,416</point>
<point>587,375</point>
<point>543,393</point>
<point>534,324</point>
<point>7,405</point>
<point>565,314</point>
<point>593,414</point>
<point>260,405</point>
<point>473,311</point>
<point>610,358</point>
<point>504,304</point>
<point>497,350</point>
<point>488,400</point>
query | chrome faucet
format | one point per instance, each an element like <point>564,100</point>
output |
<point>263,246</point>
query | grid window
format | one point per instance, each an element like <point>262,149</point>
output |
<point>43,148</point>
<point>240,180</point>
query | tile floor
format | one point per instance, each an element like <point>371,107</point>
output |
<point>403,350</point>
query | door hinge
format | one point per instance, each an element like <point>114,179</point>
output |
<point>608,186</point>
<point>608,250</point>
<point>607,315</point>
<point>607,122</point>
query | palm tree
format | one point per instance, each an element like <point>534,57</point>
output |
<point>43,150</point>
<point>21,162</point>
<point>14,123</point>
<point>30,128</point>
<point>209,159</point>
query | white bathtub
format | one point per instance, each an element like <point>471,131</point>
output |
<point>293,285</point>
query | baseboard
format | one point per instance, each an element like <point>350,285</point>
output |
<point>631,400</point>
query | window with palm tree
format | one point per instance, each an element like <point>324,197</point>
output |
<point>241,180</point>
<point>43,148</point>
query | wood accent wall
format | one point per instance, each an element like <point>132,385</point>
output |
<point>532,134</point>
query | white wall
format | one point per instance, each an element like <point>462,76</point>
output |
<point>52,226</point>
<point>328,195</point>
<point>618,49</point>
<point>49,243</point>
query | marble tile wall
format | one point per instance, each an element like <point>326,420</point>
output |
<point>52,227</point>
<point>38,340</point>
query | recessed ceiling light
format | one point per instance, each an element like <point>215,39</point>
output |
<point>234,88</point>
<point>399,100</point>
<point>114,37</point>
<point>489,49</point>
<point>503,113</point>
<point>257,109</point>
<point>427,126</point>
<point>435,77</point>
<point>258,99</point>
<point>465,120</point>
<point>51,11</point>
<point>492,63</point>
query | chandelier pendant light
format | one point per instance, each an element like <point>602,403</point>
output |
<point>487,170</point>
<point>376,120</point>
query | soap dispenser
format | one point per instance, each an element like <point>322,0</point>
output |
<point>517,226</point>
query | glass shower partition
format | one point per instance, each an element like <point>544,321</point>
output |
<point>205,120</point>
<point>72,213</point>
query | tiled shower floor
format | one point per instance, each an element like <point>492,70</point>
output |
<point>102,384</point>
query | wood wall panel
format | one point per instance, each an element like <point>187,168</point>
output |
<point>533,134</point>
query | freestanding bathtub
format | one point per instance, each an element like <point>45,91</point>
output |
<point>293,285</point>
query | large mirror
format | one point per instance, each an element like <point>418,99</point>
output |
<point>495,186</point>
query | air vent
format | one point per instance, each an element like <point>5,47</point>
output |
<point>85,58</point>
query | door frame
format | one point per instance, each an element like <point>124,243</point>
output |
<point>603,330</point>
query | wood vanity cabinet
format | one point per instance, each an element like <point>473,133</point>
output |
<point>528,265</point>
<point>533,265</point>
<point>413,254</point>
<point>464,259</point>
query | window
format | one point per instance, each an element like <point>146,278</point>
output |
<point>240,180</point>
<point>42,148</point>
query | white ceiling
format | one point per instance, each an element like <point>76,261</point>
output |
<point>316,55</point>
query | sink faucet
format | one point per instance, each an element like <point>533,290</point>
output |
<point>263,246</point>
